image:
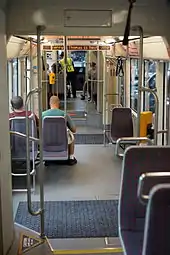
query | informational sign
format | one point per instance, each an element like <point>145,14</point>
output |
<point>104,47</point>
<point>57,47</point>
<point>75,47</point>
<point>82,47</point>
<point>46,47</point>
<point>27,243</point>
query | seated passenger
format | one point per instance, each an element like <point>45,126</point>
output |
<point>17,104</point>
<point>55,111</point>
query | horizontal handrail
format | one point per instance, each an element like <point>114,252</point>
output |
<point>129,139</point>
<point>162,131</point>
<point>161,178</point>
<point>24,136</point>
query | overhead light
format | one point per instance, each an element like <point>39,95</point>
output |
<point>119,17</point>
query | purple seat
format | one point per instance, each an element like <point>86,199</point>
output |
<point>157,225</point>
<point>18,144</point>
<point>18,148</point>
<point>55,142</point>
<point>137,160</point>
<point>122,124</point>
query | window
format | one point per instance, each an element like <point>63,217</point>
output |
<point>27,68</point>
<point>14,77</point>
<point>9,79</point>
<point>149,82</point>
<point>134,76</point>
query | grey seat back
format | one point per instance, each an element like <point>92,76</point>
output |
<point>122,124</point>
<point>157,225</point>
<point>138,160</point>
<point>18,144</point>
<point>54,134</point>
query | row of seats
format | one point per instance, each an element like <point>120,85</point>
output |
<point>55,144</point>
<point>144,203</point>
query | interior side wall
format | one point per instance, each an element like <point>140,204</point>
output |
<point>6,215</point>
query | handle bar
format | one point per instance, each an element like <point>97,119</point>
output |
<point>129,139</point>
<point>24,136</point>
<point>156,178</point>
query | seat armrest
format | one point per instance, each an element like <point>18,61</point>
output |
<point>147,181</point>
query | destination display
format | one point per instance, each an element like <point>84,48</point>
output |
<point>75,47</point>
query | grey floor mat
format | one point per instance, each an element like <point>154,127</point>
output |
<point>73,219</point>
<point>88,138</point>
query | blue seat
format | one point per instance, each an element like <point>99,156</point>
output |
<point>137,160</point>
<point>55,141</point>
<point>18,147</point>
<point>157,225</point>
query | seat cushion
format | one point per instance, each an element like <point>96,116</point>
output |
<point>55,155</point>
<point>133,242</point>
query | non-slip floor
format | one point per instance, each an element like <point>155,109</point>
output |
<point>89,139</point>
<point>73,219</point>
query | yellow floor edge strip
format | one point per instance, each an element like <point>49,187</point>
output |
<point>88,251</point>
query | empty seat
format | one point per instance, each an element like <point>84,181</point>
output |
<point>122,124</point>
<point>157,225</point>
<point>55,142</point>
<point>18,146</point>
<point>137,160</point>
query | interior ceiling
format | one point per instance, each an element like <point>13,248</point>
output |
<point>17,47</point>
<point>66,17</point>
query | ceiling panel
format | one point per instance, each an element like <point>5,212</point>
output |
<point>153,15</point>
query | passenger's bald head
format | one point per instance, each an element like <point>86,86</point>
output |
<point>54,101</point>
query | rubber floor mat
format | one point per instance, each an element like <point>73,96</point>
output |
<point>89,138</point>
<point>73,219</point>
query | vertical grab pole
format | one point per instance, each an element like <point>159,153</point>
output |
<point>31,69</point>
<point>104,98</point>
<point>39,76</point>
<point>124,84</point>
<point>98,90</point>
<point>65,74</point>
<point>57,73</point>
<point>168,111</point>
<point>140,29</point>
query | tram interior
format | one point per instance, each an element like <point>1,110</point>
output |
<point>97,175</point>
<point>109,64</point>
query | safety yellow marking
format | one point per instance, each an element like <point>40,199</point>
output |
<point>27,243</point>
<point>94,251</point>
